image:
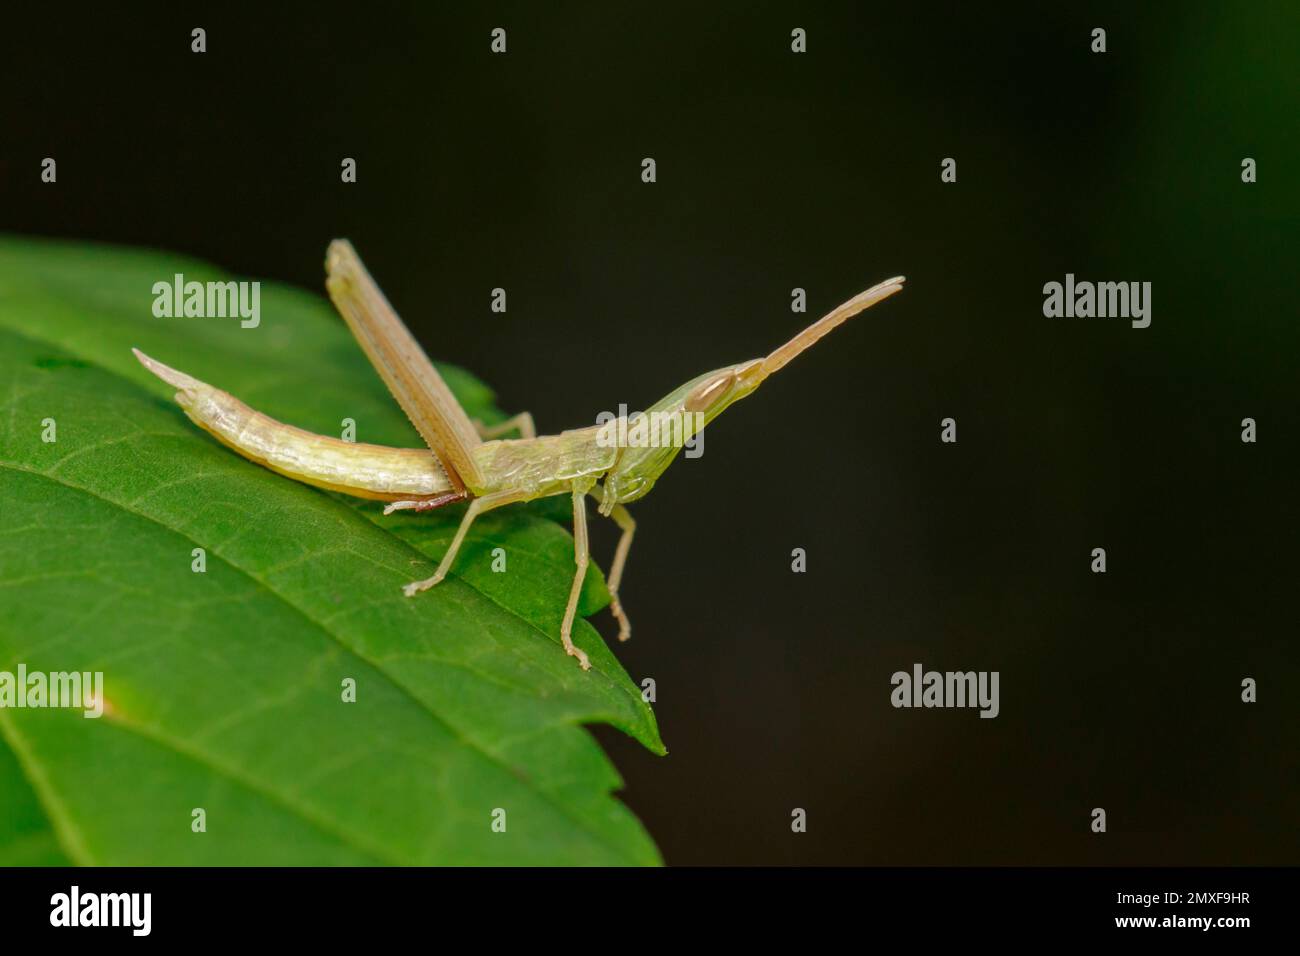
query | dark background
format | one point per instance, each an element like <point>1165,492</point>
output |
<point>820,170</point>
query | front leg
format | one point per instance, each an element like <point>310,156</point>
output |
<point>628,524</point>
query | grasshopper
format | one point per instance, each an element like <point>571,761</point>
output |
<point>468,461</point>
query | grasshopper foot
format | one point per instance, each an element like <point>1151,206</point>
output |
<point>581,655</point>
<point>415,587</point>
<point>573,650</point>
<point>624,625</point>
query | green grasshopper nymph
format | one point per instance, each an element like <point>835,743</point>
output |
<point>467,464</point>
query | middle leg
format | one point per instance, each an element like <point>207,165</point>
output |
<point>476,507</point>
<point>523,422</point>
<point>581,553</point>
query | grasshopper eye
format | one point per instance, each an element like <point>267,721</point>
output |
<point>708,392</point>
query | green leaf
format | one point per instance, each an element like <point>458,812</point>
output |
<point>223,689</point>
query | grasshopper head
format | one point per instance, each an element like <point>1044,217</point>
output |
<point>653,438</point>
